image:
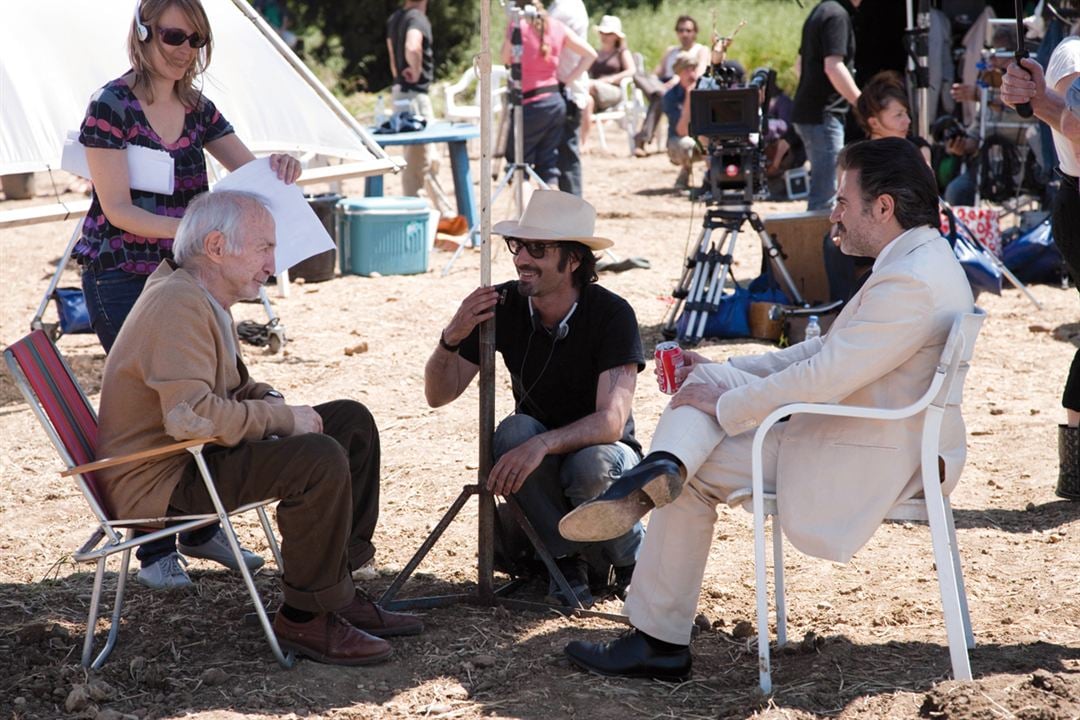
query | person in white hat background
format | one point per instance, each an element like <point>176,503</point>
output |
<point>573,352</point>
<point>613,62</point>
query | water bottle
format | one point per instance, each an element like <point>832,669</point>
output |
<point>380,111</point>
<point>813,329</point>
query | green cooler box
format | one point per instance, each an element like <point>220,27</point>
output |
<point>385,235</point>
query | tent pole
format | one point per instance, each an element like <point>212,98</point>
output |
<point>486,525</point>
<point>297,64</point>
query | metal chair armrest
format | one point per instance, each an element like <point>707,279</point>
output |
<point>162,451</point>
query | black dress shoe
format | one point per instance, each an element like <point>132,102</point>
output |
<point>652,483</point>
<point>631,655</point>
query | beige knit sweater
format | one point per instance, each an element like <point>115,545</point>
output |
<point>173,375</point>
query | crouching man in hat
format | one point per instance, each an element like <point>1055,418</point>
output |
<point>175,373</point>
<point>573,353</point>
<point>838,477</point>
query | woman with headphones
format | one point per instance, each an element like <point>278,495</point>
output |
<point>127,233</point>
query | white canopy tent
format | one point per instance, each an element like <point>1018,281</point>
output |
<point>55,53</point>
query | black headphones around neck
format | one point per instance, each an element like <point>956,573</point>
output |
<point>561,330</point>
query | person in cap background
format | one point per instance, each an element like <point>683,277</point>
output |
<point>613,63</point>
<point>681,148</point>
<point>573,352</point>
<point>1055,99</point>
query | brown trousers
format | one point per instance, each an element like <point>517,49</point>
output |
<point>328,485</point>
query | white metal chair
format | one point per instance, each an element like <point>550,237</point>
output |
<point>53,393</point>
<point>946,389</point>
<point>471,113</point>
<point>627,114</point>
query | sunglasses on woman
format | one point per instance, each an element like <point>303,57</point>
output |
<point>536,249</point>
<point>177,37</point>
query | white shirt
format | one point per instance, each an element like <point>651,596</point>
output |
<point>1064,61</point>
<point>575,17</point>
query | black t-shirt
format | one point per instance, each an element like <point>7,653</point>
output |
<point>555,380</point>
<point>399,24</point>
<point>827,31</point>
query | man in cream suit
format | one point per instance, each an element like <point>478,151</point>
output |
<point>837,476</point>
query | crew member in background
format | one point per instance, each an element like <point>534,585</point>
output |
<point>681,148</point>
<point>825,93</point>
<point>412,64</point>
<point>575,17</point>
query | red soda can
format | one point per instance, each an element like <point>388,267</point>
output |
<point>669,358</point>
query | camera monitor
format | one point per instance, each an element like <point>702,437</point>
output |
<point>731,113</point>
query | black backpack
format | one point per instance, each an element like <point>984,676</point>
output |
<point>1001,170</point>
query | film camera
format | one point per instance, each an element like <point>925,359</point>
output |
<point>733,118</point>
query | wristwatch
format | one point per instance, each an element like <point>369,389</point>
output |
<point>273,394</point>
<point>445,345</point>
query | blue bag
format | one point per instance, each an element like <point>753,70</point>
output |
<point>71,307</point>
<point>732,318</point>
<point>1034,257</point>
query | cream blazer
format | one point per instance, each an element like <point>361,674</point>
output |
<point>836,478</point>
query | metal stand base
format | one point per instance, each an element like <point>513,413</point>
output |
<point>389,601</point>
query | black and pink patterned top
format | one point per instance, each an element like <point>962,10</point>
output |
<point>114,120</point>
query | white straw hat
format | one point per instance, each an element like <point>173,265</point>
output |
<point>555,216</point>
<point>611,24</point>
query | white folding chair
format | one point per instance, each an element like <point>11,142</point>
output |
<point>471,113</point>
<point>627,114</point>
<point>53,393</point>
<point>946,389</point>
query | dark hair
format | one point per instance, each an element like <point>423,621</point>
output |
<point>883,87</point>
<point>895,167</point>
<point>685,18</point>
<point>586,269</point>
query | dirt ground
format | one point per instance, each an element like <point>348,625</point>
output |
<point>868,639</point>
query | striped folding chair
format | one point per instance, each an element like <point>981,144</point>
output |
<point>61,406</point>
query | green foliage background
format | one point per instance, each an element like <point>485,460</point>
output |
<point>345,41</point>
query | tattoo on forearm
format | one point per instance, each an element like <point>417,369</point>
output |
<point>614,375</point>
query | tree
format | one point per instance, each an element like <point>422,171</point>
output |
<point>360,28</point>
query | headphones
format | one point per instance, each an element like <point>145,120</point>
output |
<point>561,330</point>
<point>142,31</point>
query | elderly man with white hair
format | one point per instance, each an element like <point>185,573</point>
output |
<point>176,373</point>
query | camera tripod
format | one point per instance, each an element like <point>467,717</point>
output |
<point>708,265</point>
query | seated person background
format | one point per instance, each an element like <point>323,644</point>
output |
<point>664,78</point>
<point>613,63</point>
<point>881,351</point>
<point>681,148</point>
<point>175,373</point>
<point>573,353</point>
<point>883,111</point>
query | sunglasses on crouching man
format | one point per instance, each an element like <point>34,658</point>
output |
<point>177,37</point>
<point>536,249</point>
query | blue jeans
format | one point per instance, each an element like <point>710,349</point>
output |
<point>544,124</point>
<point>110,295</point>
<point>823,144</point>
<point>562,482</point>
<point>961,189</point>
<point>570,160</point>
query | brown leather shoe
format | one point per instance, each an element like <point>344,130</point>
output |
<point>330,639</point>
<point>363,613</point>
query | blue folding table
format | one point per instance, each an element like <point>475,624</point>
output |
<point>454,135</point>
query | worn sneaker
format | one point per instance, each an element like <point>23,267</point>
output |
<point>217,549</point>
<point>165,574</point>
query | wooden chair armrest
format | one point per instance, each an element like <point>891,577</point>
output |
<point>141,455</point>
